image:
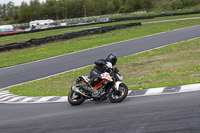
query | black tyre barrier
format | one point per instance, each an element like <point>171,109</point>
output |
<point>111,21</point>
<point>132,18</point>
<point>39,41</point>
<point>176,14</point>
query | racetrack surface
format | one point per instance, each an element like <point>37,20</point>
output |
<point>174,113</point>
<point>35,70</point>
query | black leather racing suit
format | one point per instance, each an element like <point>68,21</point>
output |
<point>97,70</point>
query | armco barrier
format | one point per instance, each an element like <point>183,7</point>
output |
<point>39,41</point>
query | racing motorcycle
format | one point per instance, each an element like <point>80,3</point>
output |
<point>109,87</point>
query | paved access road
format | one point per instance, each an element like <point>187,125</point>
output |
<point>174,113</point>
<point>32,71</point>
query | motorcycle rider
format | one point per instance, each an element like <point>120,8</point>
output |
<point>101,66</point>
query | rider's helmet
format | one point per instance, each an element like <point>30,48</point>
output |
<point>112,58</point>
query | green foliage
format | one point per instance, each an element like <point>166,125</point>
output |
<point>147,4</point>
<point>117,4</point>
<point>10,9</point>
<point>123,9</point>
<point>189,2</point>
<point>6,18</point>
<point>24,12</point>
<point>130,5</point>
<point>176,4</point>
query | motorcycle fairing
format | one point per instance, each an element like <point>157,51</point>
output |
<point>106,76</point>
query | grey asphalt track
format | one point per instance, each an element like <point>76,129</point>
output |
<point>27,72</point>
<point>175,113</point>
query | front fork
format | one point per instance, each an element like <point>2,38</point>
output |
<point>117,84</point>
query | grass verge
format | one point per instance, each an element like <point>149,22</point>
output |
<point>55,48</point>
<point>172,65</point>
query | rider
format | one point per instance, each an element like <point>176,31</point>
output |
<point>101,66</point>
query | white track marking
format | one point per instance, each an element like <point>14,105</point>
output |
<point>187,88</point>
<point>6,98</point>
<point>44,99</point>
<point>154,91</point>
<point>15,98</point>
<point>27,99</point>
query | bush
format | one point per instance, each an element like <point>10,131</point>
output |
<point>176,4</point>
<point>122,9</point>
<point>189,2</point>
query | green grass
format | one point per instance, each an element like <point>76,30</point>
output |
<point>172,65</point>
<point>26,37</point>
<point>55,48</point>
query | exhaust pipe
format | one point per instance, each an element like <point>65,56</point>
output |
<point>74,88</point>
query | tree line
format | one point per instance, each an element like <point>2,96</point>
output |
<point>63,9</point>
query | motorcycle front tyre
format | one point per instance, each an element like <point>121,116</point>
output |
<point>121,96</point>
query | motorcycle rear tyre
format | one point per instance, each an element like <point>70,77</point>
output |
<point>79,101</point>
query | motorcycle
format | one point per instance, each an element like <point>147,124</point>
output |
<point>109,87</point>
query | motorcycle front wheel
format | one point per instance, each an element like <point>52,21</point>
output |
<point>75,98</point>
<point>116,96</point>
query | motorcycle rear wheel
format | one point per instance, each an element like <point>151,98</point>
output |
<point>75,98</point>
<point>116,96</point>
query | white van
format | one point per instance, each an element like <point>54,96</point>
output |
<point>40,24</point>
<point>6,28</point>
